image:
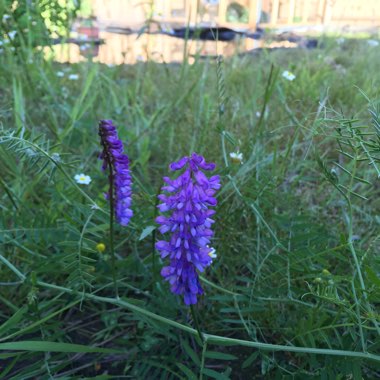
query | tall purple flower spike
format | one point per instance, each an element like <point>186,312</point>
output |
<point>114,157</point>
<point>189,225</point>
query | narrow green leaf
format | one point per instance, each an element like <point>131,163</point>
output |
<point>9,355</point>
<point>10,366</point>
<point>12,321</point>
<point>41,346</point>
<point>213,374</point>
<point>192,354</point>
<point>146,232</point>
<point>251,358</point>
<point>188,372</point>
<point>219,355</point>
<point>372,276</point>
<point>39,322</point>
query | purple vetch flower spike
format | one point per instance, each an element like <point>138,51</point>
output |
<point>118,163</point>
<point>187,200</point>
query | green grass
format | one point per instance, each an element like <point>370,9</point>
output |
<point>295,290</point>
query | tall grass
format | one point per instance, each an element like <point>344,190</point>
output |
<point>294,292</point>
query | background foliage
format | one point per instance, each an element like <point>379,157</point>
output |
<point>34,23</point>
<point>297,225</point>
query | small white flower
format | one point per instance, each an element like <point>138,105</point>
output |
<point>12,34</point>
<point>73,76</point>
<point>212,253</point>
<point>288,75</point>
<point>82,179</point>
<point>34,23</point>
<point>60,74</point>
<point>373,43</point>
<point>236,157</point>
<point>6,17</point>
<point>258,114</point>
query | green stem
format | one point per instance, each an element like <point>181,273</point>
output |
<point>112,212</point>
<point>349,222</point>
<point>155,213</point>
<point>357,306</point>
<point>9,193</point>
<point>350,227</point>
<point>224,149</point>
<point>196,322</point>
<point>218,287</point>
<point>204,350</point>
<point>215,339</point>
<point>80,247</point>
<point>12,268</point>
<point>362,286</point>
<point>267,95</point>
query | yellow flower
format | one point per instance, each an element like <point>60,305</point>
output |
<point>100,247</point>
<point>326,272</point>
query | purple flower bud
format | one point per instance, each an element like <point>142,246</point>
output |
<point>187,200</point>
<point>118,162</point>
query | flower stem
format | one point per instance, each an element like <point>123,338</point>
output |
<point>204,350</point>
<point>196,322</point>
<point>112,206</point>
<point>155,212</point>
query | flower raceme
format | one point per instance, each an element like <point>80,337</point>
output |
<point>189,222</point>
<point>120,177</point>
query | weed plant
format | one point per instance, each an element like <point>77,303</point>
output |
<point>295,290</point>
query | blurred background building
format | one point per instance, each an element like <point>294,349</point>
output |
<point>136,30</point>
<point>239,13</point>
